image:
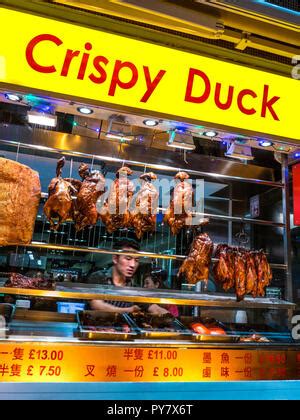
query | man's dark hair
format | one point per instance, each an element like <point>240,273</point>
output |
<point>126,243</point>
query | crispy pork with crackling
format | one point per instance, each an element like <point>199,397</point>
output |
<point>143,214</point>
<point>92,187</point>
<point>196,265</point>
<point>20,193</point>
<point>59,204</point>
<point>23,282</point>
<point>115,211</point>
<point>179,213</point>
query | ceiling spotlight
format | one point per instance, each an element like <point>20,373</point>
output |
<point>85,110</point>
<point>13,97</point>
<point>265,143</point>
<point>210,133</point>
<point>297,155</point>
<point>150,123</point>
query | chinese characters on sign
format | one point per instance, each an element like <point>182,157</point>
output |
<point>41,362</point>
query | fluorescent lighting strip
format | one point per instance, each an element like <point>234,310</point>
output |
<point>115,136</point>
<point>42,119</point>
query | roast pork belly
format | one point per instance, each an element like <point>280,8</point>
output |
<point>20,193</point>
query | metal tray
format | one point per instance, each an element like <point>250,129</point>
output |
<point>210,338</point>
<point>85,332</point>
<point>179,333</point>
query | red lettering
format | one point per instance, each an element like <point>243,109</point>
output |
<point>268,104</point>
<point>241,95</point>
<point>115,81</point>
<point>189,88</point>
<point>97,64</point>
<point>68,59</point>
<point>84,62</point>
<point>229,99</point>
<point>151,84</point>
<point>29,52</point>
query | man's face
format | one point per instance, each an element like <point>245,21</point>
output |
<point>126,265</point>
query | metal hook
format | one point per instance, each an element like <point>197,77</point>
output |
<point>184,156</point>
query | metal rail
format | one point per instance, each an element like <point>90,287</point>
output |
<point>120,252</point>
<point>111,159</point>
<point>141,295</point>
<point>220,217</point>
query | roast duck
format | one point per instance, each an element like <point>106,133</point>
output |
<point>143,214</point>
<point>179,213</point>
<point>23,282</point>
<point>91,189</point>
<point>20,193</point>
<point>247,271</point>
<point>60,205</point>
<point>196,265</point>
<point>115,212</point>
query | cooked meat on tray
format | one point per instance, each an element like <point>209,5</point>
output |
<point>143,215</point>
<point>107,322</point>
<point>154,322</point>
<point>20,192</point>
<point>196,265</point>
<point>23,282</point>
<point>115,211</point>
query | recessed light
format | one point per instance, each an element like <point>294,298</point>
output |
<point>265,143</point>
<point>13,97</point>
<point>150,123</point>
<point>85,110</point>
<point>210,133</point>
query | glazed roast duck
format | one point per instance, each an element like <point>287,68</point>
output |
<point>91,189</point>
<point>179,214</point>
<point>60,205</point>
<point>196,265</point>
<point>248,272</point>
<point>115,211</point>
<point>144,211</point>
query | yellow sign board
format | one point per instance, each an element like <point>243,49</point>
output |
<point>79,62</point>
<point>47,362</point>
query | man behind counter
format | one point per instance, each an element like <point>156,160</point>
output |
<point>124,268</point>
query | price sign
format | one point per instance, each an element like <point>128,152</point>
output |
<point>44,362</point>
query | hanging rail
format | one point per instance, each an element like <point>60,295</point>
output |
<point>111,159</point>
<point>120,252</point>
